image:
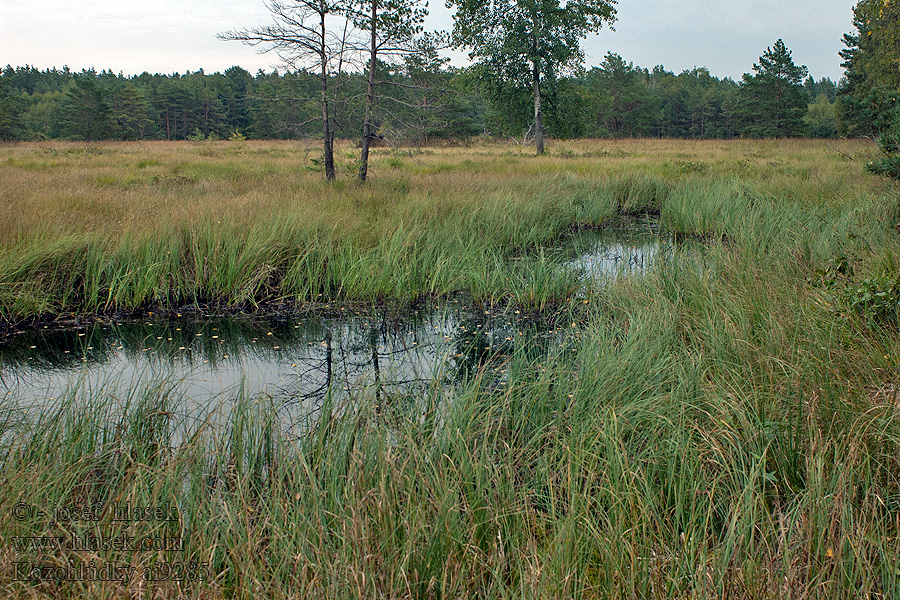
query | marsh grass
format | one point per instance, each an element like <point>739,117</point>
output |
<point>98,228</point>
<point>715,439</point>
<point>721,426</point>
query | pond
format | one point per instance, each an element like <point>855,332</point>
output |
<point>627,247</point>
<point>294,361</point>
<point>297,361</point>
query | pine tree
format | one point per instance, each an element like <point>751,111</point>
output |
<point>85,111</point>
<point>773,100</point>
<point>869,98</point>
<point>130,118</point>
<point>393,29</point>
<point>11,111</point>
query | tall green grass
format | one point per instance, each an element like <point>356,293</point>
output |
<point>701,437</point>
<point>425,250</point>
<point>725,425</point>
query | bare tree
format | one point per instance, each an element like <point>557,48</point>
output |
<point>307,34</point>
<point>392,27</point>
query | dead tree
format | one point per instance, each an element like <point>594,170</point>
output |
<point>312,35</point>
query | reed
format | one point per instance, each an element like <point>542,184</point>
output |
<point>724,425</point>
<point>130,226</point>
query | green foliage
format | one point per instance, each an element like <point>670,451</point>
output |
<point>423,99</point>
<point>526,44</point>
<point>197,135</point>
<point>85,109</point>
<point>396,23</point>
<point>889,144</point>
<point>441,108</point>
<point>877,61</point>
<point>11,110</point>
<point>775,91</point>
<point>875,298</point>
<point>42,117</point>
<point>824,87</point>
<point>821,118</point>
<point>869,112</point>
<point>620,98</point>
<point>868,98</point>
<point>507,111</point>
<point>693,104</point>
<point>516,35</point>
<point>129,111</point>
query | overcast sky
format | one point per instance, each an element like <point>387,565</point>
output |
<point>166,36</point>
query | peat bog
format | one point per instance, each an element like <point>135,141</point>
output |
<point>503,396</point>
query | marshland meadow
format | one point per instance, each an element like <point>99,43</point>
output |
<point>720,422</point>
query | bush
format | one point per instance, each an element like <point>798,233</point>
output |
<point>889,143</point>
<point>196,135</point>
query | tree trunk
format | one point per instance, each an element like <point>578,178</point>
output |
<point>538,115</point>
<point>327,135</point>
<point>370,100</point>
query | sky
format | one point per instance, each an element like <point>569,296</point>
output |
<point>168,36</point>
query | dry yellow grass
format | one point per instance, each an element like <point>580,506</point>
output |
<point>87,227</point>
<point>114,187</point>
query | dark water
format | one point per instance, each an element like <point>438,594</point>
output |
<point>626,248</point>
<point>295,362</point>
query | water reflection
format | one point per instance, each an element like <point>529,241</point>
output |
<point>299,361</point>
<point>296,361</point>
<point>626,247</point>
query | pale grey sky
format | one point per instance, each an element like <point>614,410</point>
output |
<point>166,36</point>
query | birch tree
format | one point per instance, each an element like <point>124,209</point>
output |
<point>528,41</point>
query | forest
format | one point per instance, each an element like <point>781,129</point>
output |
<point>421,98</point>
<point>420,103</point>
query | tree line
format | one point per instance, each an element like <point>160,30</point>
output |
<point>614,99</point>
<point>390,84</point>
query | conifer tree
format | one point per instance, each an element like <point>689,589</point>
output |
<point>774,102</point>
